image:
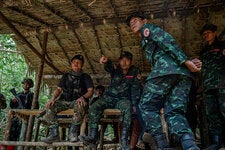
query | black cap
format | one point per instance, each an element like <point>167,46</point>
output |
<point>126,54</point>
<point>29,81</point>
<point>210,27</point>
<point>135,14</point>
<point>79,57</point>
<point>100,87</point>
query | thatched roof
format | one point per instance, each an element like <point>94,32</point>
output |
<point>88,27</point>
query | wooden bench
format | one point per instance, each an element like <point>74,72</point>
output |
<point>24,114</point>
<point>109,116</point>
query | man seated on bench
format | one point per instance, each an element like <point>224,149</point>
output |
<point>123,88</point>
<point>74,89</point>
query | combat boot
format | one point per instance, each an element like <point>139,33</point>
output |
<point>73,133</point>
<point>216,143</point>
<point>188,142</point>
<point>161,142</point>
<point>53,135</point>
<point>92,138</point>
<point>148,138</point>
<point>124,139</point>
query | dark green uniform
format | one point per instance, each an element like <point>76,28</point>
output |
<point>168,84</point>
<point>74,85</point>
<point>213,74</point>
<point>123,89</point>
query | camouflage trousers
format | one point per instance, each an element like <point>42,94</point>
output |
<point>171,93</point>
<point>61,105</point>
<point>97,108</point>
<point>214,101</point>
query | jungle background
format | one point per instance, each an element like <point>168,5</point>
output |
<point>13,68</point>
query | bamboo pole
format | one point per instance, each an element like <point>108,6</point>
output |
<point>37,89</point>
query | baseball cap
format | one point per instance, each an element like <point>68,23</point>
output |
<point>135,14</point>
<point>210,27</point>
<point>126,54</point>
<point>79,57</point>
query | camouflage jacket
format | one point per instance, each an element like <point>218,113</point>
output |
<point>123,85</point>
<point>165,56</point>
<point>213,67</point>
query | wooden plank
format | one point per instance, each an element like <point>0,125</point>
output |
<point>41,144</point>
<point>36,112</point>
<point>111,112</point>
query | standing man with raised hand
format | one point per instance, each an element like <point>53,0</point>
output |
<point>168,84</point>
<point>74,90</point>
<point>123,93</point>
<point>213,76</point>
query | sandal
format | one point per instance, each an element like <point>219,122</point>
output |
<point>140,145</point>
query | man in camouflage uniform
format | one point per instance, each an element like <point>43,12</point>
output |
<point>167,85</point>
<point>213,75</point>
<point>123,93</point>
<point>74,89</point>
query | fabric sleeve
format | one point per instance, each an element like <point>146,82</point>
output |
<point>166,42</point>
<point>136,90</point>
<point>62,81</point>
<point>88,81</point>
<point>109,67</point>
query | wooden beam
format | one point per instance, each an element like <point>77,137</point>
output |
<point>82,47</point>
<point>117,28</point>
<point>10,25</point>
<point>20,11</point>
<point>62,48</point>
<point>69,21</point>
<point>37,89</point>
<point>41,144</point>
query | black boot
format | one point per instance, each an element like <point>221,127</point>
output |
<point>124,139</point>
<point>92,138</point>
<point>73,133</point>
<point>161,142</point>
<point>188,142</point>
<point>216,143</point>
<point>148,138</point>
<point>53,135</point>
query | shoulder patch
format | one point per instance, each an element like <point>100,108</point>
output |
<point>146,32</point>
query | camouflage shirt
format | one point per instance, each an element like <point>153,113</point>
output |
<point>165,56</point>
<point>123,85</point>
<point>213,67</point>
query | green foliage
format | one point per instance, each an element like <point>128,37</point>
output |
<point>12,66</point>
<point>13,69</point>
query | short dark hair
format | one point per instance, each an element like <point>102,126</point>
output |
<point>135,14</point>
<point>210,27</point>
<point>126,54</point>
<point>100,87</point>
<point>79,57</point>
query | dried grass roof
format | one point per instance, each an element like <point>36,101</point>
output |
<point>88,27</point>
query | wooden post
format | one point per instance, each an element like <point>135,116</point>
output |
<point>8,127</point>
<point>37,88</point>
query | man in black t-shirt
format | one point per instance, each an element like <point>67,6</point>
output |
<point>22,100</point>
<point>73,90</point>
